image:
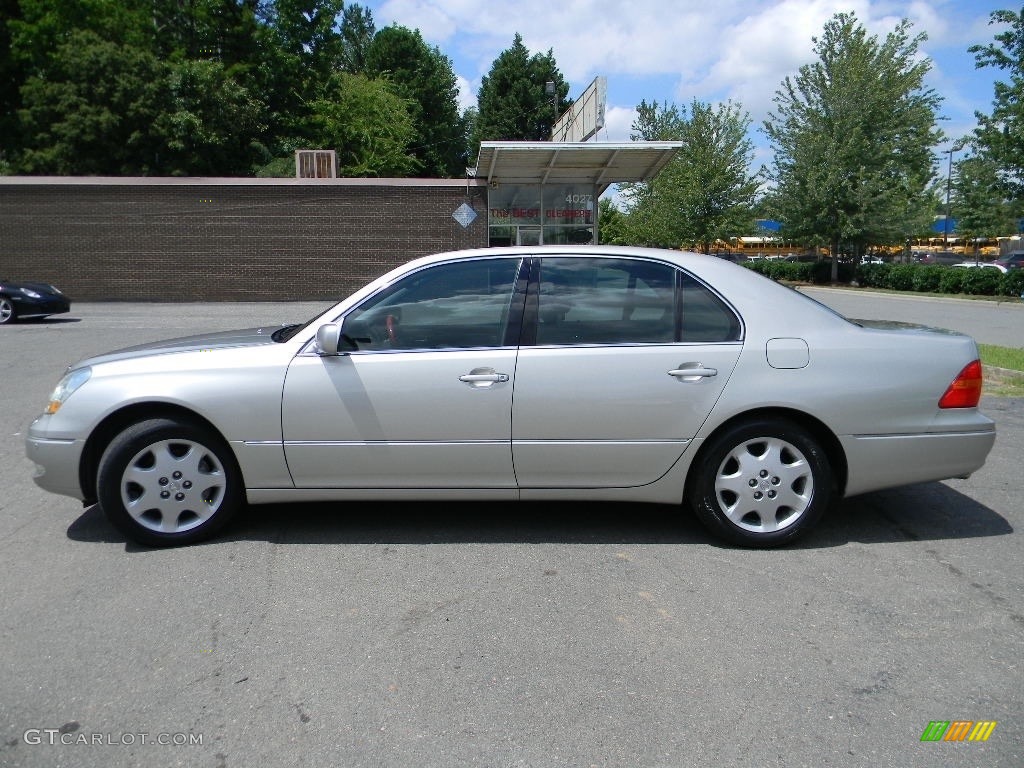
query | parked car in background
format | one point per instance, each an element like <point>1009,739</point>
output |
<point>1011,260</point>
<point>980,265</point>
<point>534,374</point>
<point>27,300</point>
<point>938,257</point>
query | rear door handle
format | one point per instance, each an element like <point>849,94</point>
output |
<point>693,372</point>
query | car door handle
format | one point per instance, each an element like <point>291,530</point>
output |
<point>483,377</point>
<point>693,372</point>
<point>470,378</point>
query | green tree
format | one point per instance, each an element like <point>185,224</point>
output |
<point>979,201</point>
<point>93,110</point>
<point>611,223</point>
<point>210,123</point>
<point>513,103</point>
<point>852,135</point>
<point>302,49</point>
<point>368,125</point>
<point>222,30</point>
<point>653,123</point>
<point>706,193</point>
<point>1000,136</point>
<point>423,76</point>
<point>139,86</point>
<point>357,32</point>
<point>12,76</point>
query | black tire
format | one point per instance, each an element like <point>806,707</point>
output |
<point>164,482</point>
<point>761,483</point>
<point>8,314</point>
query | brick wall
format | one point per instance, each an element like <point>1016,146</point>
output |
<point>225,239</point>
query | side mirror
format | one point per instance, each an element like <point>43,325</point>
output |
<point>328,338</point>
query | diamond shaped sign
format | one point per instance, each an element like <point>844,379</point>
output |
<point>464,214</point>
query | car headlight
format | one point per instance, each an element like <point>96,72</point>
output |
<point>30,293</point>
<point>66,387</point>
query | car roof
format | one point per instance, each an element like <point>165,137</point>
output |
<point>758,299</point>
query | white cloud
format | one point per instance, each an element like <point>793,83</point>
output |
<point>618,124</point>
<point>680,50</point>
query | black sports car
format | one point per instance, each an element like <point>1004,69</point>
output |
<point>21,300</point>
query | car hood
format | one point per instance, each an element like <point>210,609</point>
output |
<point>45,288</point>
<point>247,337</point>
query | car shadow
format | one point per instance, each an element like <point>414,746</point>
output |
<point>48,320</point>
<point>930,511</point>
<point>923,512</point>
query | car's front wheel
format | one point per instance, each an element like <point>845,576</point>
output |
<point>164,482</point>
<point>7,312</point>
<point>761,483</point>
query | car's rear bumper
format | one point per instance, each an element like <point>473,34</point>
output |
<point>887,461</point>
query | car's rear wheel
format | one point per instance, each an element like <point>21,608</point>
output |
<point>762,483</point>
<point>164,482</point>
<point>7,311</point>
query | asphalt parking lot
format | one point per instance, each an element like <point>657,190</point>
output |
<point>500,634</point>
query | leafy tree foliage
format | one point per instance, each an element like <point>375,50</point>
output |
<point>12,75</point>
<point>210,124</point>
<point>1000,136</point>
<point>137,87</point>
<point>357,31</point>
<point>611,223</point>
<point>852,135</point>
<point>706,192</point>
<point>513,103</point>
<point>424,76</point>
<point>218,87</point>
<point>92,113</point>
<point>369,124</point>
<point>302,50</point>
<point>978,199</point>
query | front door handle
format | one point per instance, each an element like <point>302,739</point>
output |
<point>483,377</point>
<point>693,372</point>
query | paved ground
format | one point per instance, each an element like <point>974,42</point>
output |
<point>500,635</point>
<point>988,321</point>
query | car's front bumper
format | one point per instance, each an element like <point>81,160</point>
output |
<point>57,463</point>
<point>41,307</point>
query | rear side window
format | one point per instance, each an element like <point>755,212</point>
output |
<point>703,316</point>
<point>626,301</point>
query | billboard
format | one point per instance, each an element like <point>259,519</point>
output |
<point>586,116</point>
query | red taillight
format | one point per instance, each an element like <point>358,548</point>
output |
<point>965,391</point>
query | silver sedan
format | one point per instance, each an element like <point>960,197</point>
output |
<point>551,373</point>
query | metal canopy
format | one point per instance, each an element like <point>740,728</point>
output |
<point>548,162</point>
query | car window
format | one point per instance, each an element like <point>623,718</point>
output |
<point>703,316</point>
<point>627,301</point>
<point>605,301</point>
<point>449,306</point>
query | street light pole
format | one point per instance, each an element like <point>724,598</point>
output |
<point>949,182</point>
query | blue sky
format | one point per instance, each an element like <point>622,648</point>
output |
<point>713,50</point>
